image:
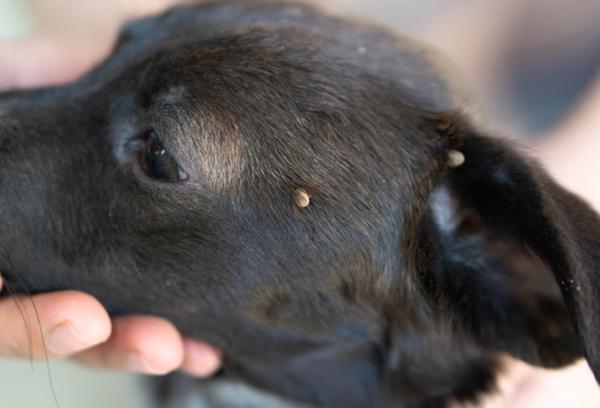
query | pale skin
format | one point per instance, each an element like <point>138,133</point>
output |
<point>60,51</point>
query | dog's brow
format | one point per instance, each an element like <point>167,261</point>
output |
<point>173,96</point>
<point>209,147</point>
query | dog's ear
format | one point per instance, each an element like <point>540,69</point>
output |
<point>520,257</point>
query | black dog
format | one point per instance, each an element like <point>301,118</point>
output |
<point>288,186</point>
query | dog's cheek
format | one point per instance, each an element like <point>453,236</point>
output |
<point>339,375</point>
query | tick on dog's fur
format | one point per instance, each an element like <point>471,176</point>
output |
<point>455,158</point>
<point>301,198</point>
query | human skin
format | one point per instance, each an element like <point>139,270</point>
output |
<point>67,38</point>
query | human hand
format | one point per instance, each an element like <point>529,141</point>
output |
<point>68,38</point>
<point>75,324</point>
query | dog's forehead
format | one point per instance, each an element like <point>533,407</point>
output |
<point>420,73</point>
<point>289,92</point>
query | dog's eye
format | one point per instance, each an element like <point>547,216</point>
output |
<point>157,162</point>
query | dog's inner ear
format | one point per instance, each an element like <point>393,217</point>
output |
<point>503,293</point>
<point>518,258</point>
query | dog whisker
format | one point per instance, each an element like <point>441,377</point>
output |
<point>27,326</point>
<point>12,292</point>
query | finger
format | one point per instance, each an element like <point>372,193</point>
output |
<point>54,58</point>
<point>49,61</point>
<point>200,359</point>
<point>70,322</point>
<point>570,386</point>
<point>142,344</point>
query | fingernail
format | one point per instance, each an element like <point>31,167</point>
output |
<point>64,339</point>
<point>136,362</point>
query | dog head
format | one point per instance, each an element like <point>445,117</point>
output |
<point>285,185</point>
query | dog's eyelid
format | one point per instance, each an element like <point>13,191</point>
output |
<point>134,144</point>
<point>155,159</point>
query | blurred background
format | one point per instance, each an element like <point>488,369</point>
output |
<point>531,67</point>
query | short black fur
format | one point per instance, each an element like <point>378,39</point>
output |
<point>401,284</point>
